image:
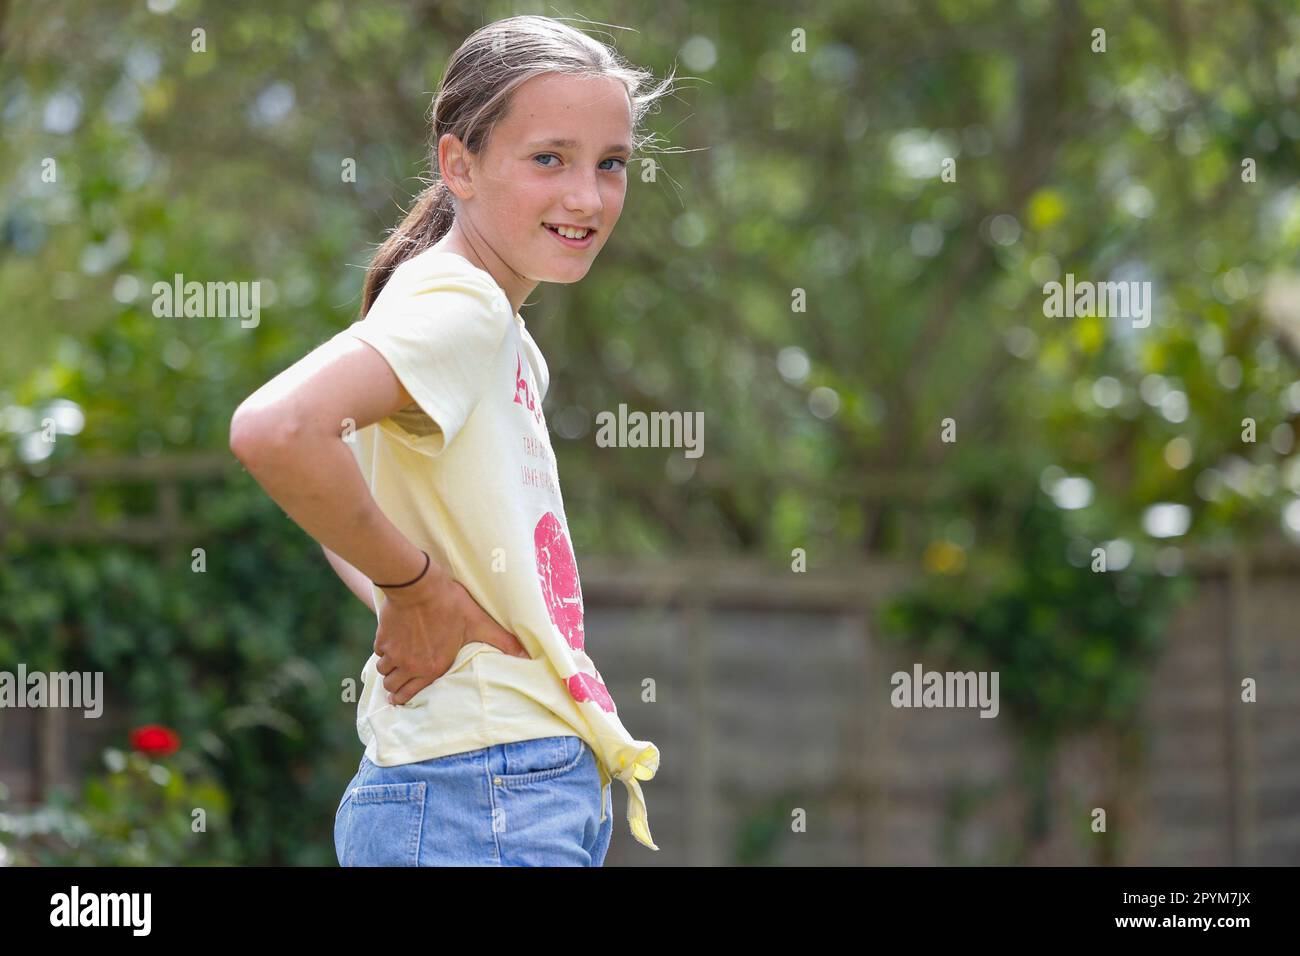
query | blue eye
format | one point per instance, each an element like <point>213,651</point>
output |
<point>613,159</point>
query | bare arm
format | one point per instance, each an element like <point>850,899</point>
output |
<point>288,434</point>
<point>357,582</point>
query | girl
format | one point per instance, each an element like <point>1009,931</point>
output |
<point>414,448</point>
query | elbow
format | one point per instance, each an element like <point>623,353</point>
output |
<point>243,435</point>
<point>258,436</point>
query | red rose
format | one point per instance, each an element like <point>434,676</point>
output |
<point>155,740</point>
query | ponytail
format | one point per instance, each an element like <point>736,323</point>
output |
<point>475,95</point>
<point>426,223</point>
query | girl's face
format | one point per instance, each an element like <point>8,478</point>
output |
<point>558,158</point>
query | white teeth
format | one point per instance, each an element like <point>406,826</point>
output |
<point>569,233</point>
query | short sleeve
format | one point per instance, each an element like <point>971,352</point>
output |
<point>438,326</point>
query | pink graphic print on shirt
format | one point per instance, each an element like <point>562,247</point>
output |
<point>557,571</point>
<point>585,687</point>
<point>559,577</point>
<point>523,390</point>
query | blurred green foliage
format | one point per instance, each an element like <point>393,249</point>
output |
<point>1072,645</point>
<point>141,812</point>
<point>247,665</point>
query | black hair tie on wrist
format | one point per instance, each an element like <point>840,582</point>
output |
<point>413,580</point>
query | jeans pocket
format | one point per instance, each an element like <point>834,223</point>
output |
<point>381,825</point>
<point>551,816</point>
<point>544,758</point>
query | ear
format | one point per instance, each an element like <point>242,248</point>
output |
<point>456,166</point>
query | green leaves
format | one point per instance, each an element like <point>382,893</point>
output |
<point>1070,648</point>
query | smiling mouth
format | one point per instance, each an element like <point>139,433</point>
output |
<point>577,234</point>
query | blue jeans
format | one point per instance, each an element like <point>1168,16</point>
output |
<point>525,803</point>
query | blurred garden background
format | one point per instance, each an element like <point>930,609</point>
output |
<point>841,260</point>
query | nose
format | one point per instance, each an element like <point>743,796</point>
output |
<point>583,195</point>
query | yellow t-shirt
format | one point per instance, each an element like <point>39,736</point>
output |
<point>468,474</point>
